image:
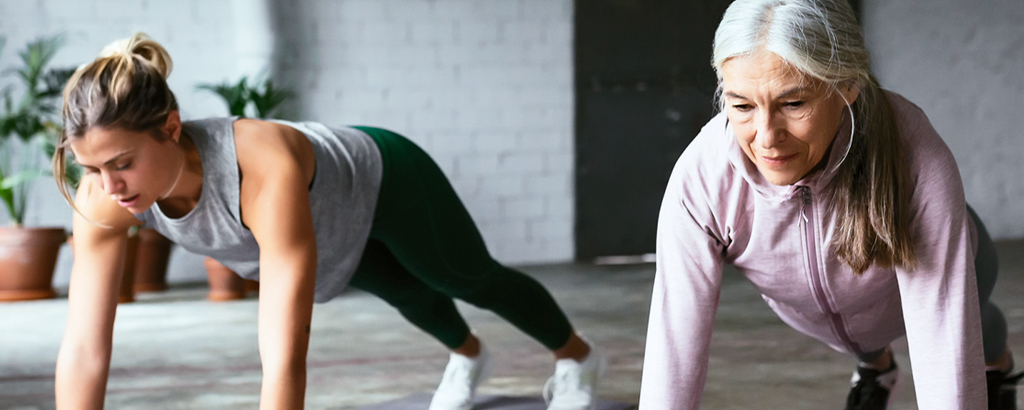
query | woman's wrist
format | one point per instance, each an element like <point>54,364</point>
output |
<point>284,387</point>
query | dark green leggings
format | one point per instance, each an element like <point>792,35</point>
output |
<point>424,250</point>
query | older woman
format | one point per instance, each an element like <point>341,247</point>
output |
<point>842,205</point>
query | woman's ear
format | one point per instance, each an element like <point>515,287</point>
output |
<point>850,90</point>
<point>172,128</point>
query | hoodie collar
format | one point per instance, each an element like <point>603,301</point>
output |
<point>816,180</point>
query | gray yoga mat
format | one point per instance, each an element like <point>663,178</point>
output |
<point>420,401</point>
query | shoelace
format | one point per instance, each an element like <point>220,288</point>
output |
<point>555,384</point>
<point>558,384</point>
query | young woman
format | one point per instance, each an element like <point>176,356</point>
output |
<point>304,208</point>
<point>839,201</point>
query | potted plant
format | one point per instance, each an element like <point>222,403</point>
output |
<point>264,98</point>
<point>28,255</point>
<point>149,271</point>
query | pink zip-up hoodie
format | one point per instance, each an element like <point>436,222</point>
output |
<point>718,209</point>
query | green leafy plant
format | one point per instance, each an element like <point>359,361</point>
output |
<point>33,120</point>
<point>236,96</point>
<point>264,97</point>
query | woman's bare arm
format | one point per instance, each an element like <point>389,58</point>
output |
<point>275,207</point>
<point>84,359</point>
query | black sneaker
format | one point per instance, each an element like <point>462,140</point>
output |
<point>871,389</point>
<point>1002,389</point>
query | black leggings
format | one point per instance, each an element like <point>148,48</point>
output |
<point>993,324</point>
<point>424,250</point>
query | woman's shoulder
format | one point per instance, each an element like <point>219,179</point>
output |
<point>97,208</point>
<point>707,161</point>
<point>916,130</point>
<point>209,122</point>
<point>914,126</point>
<point>264,146</point>
<point>906,111</point>
<point>928,158</point>
<point>705,172</point>
<point>267,134</point>
<point>709,148</point>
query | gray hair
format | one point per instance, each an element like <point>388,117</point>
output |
<point>822,39</point>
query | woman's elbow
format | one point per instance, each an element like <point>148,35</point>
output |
<point>80,358</point>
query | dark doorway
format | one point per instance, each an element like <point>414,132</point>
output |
<point>644,88</point>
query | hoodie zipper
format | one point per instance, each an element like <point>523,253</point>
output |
<point>835,319</point>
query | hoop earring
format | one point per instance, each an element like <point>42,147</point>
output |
<point>853,128</point>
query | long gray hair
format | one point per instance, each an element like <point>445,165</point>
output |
<point>871,189</point>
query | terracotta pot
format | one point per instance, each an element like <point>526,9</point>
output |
<point>27,259</point>
<point>225,284</point>
<point>150,269</point>
<point>252,285</point>
<point>131,253</point>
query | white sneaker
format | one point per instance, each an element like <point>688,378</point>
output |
<point>461,377</point>
<point>574,385</point>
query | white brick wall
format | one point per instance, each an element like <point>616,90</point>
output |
<point>485,86</point>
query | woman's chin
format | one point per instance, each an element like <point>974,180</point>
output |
<point>780,178</point>
<point>139,207</point>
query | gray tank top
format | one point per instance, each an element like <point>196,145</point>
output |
<point>342,199</point>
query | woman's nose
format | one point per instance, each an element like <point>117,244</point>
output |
<point>768,130</point>
<point>111,184</point>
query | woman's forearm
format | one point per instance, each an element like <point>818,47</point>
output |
<point>284,386</point>
<point>81,376</point>
<point>285,310</point>
<point>283,340</point>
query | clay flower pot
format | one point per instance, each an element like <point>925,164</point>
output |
<point>225,284</point>
<point>131,252</point>
<point>27,259</point>
<point>150,268</point>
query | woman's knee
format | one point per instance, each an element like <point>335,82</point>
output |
<point>497,287</point>
<point>424,299</point>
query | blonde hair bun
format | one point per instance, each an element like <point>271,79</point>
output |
<point>141,46</point>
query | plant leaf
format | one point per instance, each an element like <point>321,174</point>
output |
<point>54,81</point>
<point>32,118</point>
<point>36,56</point>
<point>236,96</point>
<point>7,195</point>
<point>269,100</point>
<point>21,178</point>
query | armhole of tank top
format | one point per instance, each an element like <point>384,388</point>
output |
<point>237,202</point>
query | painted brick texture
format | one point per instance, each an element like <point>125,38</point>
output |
<point>484,86</point>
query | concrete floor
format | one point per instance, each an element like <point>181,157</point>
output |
<point>175,350</point>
